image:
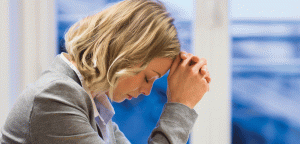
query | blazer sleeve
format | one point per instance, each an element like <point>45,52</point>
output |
<point>174,125</point>
<point>62,114</point>
<point>120,137</point>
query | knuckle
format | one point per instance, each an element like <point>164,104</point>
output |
<point>204,82</point>
<point>207,76</point>
<point>191,68</point>
<point>182,52</point>
<point>190,72</point>
<point>204,60</point>
<point>195,70</point>
<point>196,74</point>
<point>181,66</point>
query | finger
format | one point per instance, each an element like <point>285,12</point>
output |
<point>174,65</point>
<point>186,61</point>
<point>206,83</point>
<point>200,64</point>
<point>183,55</point>
<point>207,77</point>
<point>203,69</point>
<point>194,60</point>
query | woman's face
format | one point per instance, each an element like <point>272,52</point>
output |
<point>133,86</point>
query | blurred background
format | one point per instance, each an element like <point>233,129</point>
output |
<point>252,48</point>
<point>265,71</point>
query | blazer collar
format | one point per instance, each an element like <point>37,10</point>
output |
<point>62,67</point>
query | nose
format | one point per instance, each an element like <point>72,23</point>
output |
<point>146,90</point>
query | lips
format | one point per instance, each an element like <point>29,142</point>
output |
<point>129,97</point>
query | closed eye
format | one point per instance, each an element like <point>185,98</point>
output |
<point>146,80</point>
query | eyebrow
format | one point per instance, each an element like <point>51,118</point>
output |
<point>157,73</point>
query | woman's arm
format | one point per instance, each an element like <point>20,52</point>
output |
<point>174,125</point>
<point>120,137</point>
<point>188,81</point>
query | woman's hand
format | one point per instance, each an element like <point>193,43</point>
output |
<point>188,79</point>
<point>195,59</point>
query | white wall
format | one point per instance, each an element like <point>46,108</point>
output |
<point>213,125</point>
<point>28,45</point>
<point>4,60</point>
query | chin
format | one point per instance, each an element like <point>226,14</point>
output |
<point>118,100</point>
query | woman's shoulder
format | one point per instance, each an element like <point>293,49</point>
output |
<point>53,87</point>
<point>51,98</point>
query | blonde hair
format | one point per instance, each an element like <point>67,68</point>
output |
<point>107,45</point>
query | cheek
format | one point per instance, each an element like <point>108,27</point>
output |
<point>128,84</point>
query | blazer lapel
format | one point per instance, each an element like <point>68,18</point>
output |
<point>99,131</point>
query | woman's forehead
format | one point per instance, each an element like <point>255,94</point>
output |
<point>160,65</point>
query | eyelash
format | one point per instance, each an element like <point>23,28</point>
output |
<point>146,80</point>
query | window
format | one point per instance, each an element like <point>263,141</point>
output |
<point>265,71</point>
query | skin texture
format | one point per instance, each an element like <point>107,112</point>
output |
<point>188,80</point>
<point>185,84</point>
<point>136,85</point>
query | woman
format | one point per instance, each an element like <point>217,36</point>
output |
<point>116,54</point>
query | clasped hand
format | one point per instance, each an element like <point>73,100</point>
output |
<point>188,79</point>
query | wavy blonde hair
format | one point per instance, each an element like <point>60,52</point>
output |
<point>109,44</point>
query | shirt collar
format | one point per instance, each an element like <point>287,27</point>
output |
<point>63,57</point>
<point>105,114</point>
<point>101,104</point>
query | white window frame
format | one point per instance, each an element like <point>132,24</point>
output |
<point>211,41</point>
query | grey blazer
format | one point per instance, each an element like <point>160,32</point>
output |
<point>56,109</point>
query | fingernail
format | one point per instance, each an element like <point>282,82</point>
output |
<point>184,55</point>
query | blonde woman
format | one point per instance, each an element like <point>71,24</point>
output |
<point>114,55</point>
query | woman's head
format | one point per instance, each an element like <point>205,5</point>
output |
<point>141,83</point>
<point>112,43</point>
